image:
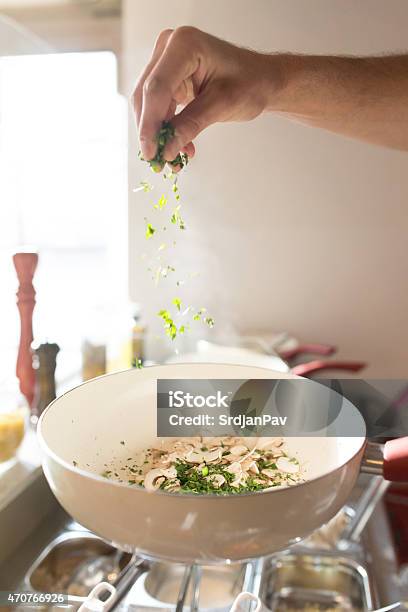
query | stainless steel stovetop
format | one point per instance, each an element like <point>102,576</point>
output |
<point>353,579</point>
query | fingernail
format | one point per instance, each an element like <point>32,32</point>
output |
<point>148,150</point>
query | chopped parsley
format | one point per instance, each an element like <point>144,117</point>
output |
<point>171,327</point>
<point>166,133</point>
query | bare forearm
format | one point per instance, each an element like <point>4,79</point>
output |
<point>364,98</point>
<point>361,97</point>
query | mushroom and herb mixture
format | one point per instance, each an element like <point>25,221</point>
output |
<point>222,466</point>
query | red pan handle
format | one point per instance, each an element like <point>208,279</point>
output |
<point>395,467</point>
<point>306,369</point>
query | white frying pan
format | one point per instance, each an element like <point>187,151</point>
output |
<point>87,426</point>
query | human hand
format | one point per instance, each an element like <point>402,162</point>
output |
<point>214,81</point>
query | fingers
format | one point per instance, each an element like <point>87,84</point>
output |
<point>158,49</point>
<point>185,92</point>
<point>172,110</point>
<point>170,74</point>
<point>203,111</point>
<point>189,149</point>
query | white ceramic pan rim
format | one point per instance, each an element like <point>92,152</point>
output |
<point>76,470</point>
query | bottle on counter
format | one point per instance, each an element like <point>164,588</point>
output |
<point>14,413</point>
<point>126,343</point>
<point>93,348</point>
<point>44,362</point>
<point>93,359</point>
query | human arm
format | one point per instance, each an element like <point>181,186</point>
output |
<point>360,97</point>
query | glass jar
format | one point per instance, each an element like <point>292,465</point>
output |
<point>13,419</point>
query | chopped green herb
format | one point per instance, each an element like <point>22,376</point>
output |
<point>166,133</point>
<point>177,302</point>
<point>171,327</point>
<point>150,230</point>
<point>161,203</point>
<point>146,186</point>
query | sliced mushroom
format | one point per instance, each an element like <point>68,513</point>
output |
<point>234,468</point>
<point>275,453</point>
<point>172,485</point>
<point>252,467</point>
<point>212,455</point>
<point>195,456</point>
<point>239,450</point>
<point>170,472</point>
<point>240,457</point>
<point>154,479</point>
<point>230,441</point>
<point>259,481</point>
<point>239,479</point>
<point>269,443</point>
<point>217,479</point>
<point>270,473</point>
<point>288,465</point>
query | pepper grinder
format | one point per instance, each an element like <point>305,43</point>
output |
<point>45,361</point>
<point>25,265</point>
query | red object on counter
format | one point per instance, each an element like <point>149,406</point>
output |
<point>25,265</point>
<point>319,365</point>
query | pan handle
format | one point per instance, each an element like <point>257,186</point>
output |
<point>325,350</point>
<point>389,460</point>
<point>311,367</point>
<point>396,460</point>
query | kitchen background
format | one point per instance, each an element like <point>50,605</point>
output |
<point>290,228</point>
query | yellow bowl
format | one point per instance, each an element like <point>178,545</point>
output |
<point>12,426</point>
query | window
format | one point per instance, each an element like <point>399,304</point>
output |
<point>63,190</point>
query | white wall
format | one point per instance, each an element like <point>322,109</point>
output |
<point>295,228</point>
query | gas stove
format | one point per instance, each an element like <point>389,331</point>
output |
<point>315,576</point>
<point>294,580</point>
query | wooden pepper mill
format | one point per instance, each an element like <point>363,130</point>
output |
<point>44,361</point>
<point>25,265</point>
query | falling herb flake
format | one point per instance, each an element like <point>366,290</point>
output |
<point>150,230</point>
<point>199,314</point>
<point>166,133</point>
<point>177,302</point>
<point>144,186</point>
<point>161,203</point>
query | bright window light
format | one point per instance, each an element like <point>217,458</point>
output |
<point>63,160</point>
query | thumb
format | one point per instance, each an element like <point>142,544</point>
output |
<point>202,112</point>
